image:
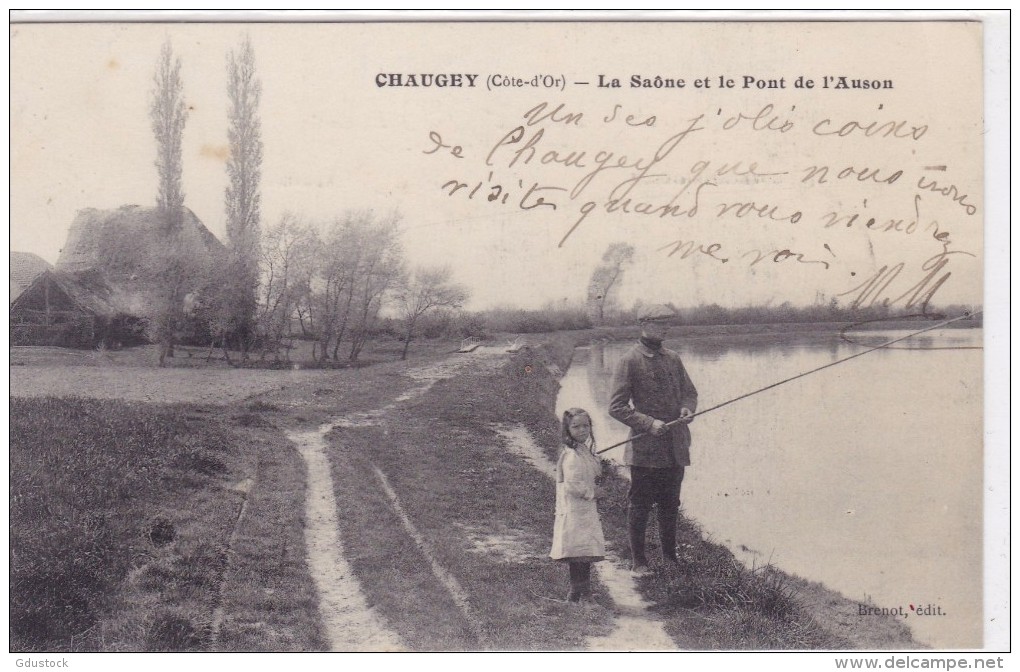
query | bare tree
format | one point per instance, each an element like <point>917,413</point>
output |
<point>169,113</point>
<point>340,260</point>
<point>427,289</point>
<point>242,197</point>
<point>606,277</point>
<point>288,263</point>
<point>359,261</point>
<point>380,269</point>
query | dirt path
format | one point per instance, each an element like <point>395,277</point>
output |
<point>350,623</point>
<point>636,629</point>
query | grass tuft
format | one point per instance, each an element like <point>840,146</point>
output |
<point>174,632</point>
<point>162,532</point>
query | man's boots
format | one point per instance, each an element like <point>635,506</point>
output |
<point>636,523</point>
<point>667,534</point>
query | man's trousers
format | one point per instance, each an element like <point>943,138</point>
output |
<point>653,486</point>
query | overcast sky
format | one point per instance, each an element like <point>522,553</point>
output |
<point>335,140</point>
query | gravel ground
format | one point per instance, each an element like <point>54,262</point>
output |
<point>200,386</point>
<point>132,374</point>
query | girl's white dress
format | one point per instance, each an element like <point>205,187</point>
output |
<point>577,532</point>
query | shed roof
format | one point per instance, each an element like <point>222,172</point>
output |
<point>88,290</point>
<point>25,267</point>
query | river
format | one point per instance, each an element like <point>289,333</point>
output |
<point>866,476</point>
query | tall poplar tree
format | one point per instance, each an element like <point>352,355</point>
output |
<point>169,113</point>
<point>242,198</point>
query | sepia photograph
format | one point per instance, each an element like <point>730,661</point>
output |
<point>347,333</point>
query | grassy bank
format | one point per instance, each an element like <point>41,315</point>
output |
<point>125,519</point>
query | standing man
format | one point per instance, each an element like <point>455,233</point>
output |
<point>650,389</point>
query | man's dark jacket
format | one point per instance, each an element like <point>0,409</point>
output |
<point>653,385</point>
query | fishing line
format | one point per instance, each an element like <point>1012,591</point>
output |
<point>799,375</point>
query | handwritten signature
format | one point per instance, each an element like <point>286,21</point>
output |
<point>885,286</point>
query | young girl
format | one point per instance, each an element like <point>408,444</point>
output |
<point>577,533</point>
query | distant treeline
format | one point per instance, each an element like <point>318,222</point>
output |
<point>552,317</point>
<point>785,313</point>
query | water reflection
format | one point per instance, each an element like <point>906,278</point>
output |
<point>866,476</point>
<point>939,339</point>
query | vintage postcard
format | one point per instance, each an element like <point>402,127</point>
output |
<point>302,312</point>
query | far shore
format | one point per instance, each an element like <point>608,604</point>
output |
<point>757,329</point>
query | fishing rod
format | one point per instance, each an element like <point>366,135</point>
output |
<point>792,378</point>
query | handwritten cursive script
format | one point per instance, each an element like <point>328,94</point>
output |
<point>718,169</point>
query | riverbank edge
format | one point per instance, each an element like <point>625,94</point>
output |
<point>816,616</point>
<point>759,333</point>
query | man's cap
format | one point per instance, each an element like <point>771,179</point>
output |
<point>655,312</point>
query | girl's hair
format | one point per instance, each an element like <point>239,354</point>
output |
<point>565,435</point>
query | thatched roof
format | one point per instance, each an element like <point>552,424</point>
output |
<point>131,228</point>
<point>25,267</point>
